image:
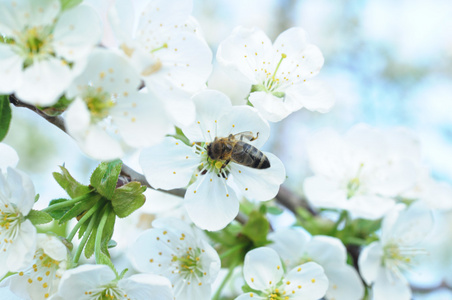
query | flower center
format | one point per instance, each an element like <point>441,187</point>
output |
<point>398,258</point>
<point>354,184</point>
<point>34,43</point>
<point>272,83</point>
<point>207,164</point>
<point>9,221</point>
<point>98,102</point>
<point>107,292</point>
<point>189,263</point>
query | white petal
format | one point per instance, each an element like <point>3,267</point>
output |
<point>43,12</point>
<point>8,156</point>
<point>108,71</point>
<point>312,95</point>
<point>210,106</point>
<point>272,108</point>
<point>98,144</point>
<point>369,262</point>
<point>210,203</point>
<point>262,268</point>
<point>194,291</point>
<point>147,286</point>
<point>78,118</point>
<point>22,190</point>
<point>186,63</point>
<point>141,120</point>
<point>306,282</point>
<point>292,42</point>
<point>85,278</point>
<point>344,283</point>
<point>162,12</point>
<point>390,286</point>
<point>248,296</point>
<point>259,184</point>
<point>169,165</point>
<point>327,251</point>
<point>241,119</point>
<point>76,32</point>
<point>290,244</point>
<point>324,192</point>
<point>10,70</point>
<point>244,51</point>
<point>153,251</point>
<point>44,82</point>
<point>179,107</point>
<point>52,246</point>
<point>369,206</point>
<point>20,253</point>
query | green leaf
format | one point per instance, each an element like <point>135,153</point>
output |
<point>256,229</point>
<point>72,187</point>
<point>67,4</point>
<point>274,210</point>
<point>181,136</point>
<point>58,108</point>
<point>39,217</point>
<point>5,116</point>
<point>105,177</point>
<point>58,213</point>
<point>128,198</point>
<point>84,205</point>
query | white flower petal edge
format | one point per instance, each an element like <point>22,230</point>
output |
<point>262,268</point>
<point>8,156</point>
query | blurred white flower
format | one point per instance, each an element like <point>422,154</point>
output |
<point>108,108</point>
<point>178,251</point>
<point>40,280</point>
<point>296,247</point>
<point>264,273</point>
<point>278,72</point>
<point>100,282</point>
<point>383,262</point>
<point>361,172</point>
<point>43,47</point>
<point>211,201</point>
<point>167,50</point>
<point>8,156</point>
<point>17,234</point>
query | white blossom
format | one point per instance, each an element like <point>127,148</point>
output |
<point>42,43</point>
<point>17,234</point>
<point>264,273</point>
<point>212,199</point>
<point>8,156</point>
<point>279,74</point>
<point>382,263</point>
<point>99,282</point>
<point>362,172</point>
<point>174,249</point>
<point>40,280</point>
<point>109,109</point>
<point>296,247</point>
<point>164,43</point>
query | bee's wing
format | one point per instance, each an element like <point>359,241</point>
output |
<point>245,136</point>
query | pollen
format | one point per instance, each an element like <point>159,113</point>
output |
<point>246,189</point>
<point>110,70</point>
<point>194,192</point>
<point>102,75</point>
<point>174,172</point>
<point>133,119</point>
<point>278,267</point>
<point>299,286</point>
<point>227,195</point>
<point>313,280</point>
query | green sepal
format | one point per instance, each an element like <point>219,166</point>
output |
<point>84,205</point>
<point>67,4</point>
<point>5,116</point>
<point>36,198</point>
<point>121,276</point>
<point>279,94</point>
<point>58,213</point>
<point>128,198</point>
<point>58,108</point>
<point>257,228</point>
<point>274,210</point>
<point>39,217</point>
<point>72,187</point>
<point>111,244</point>
<point>89,247</point>
<point>258,88</point>
<point>107,233</point>
<point>105,260</point>
<point>180,136</point>
<point>105,177</point>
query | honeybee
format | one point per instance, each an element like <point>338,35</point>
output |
<point>236,148</point>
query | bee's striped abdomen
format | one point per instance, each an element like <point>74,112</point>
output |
<point>248,155</point>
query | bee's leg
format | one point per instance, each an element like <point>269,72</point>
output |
<point>225,163</point>
<point>255,138</point>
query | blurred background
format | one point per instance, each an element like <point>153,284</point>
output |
<point>388,62</point>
